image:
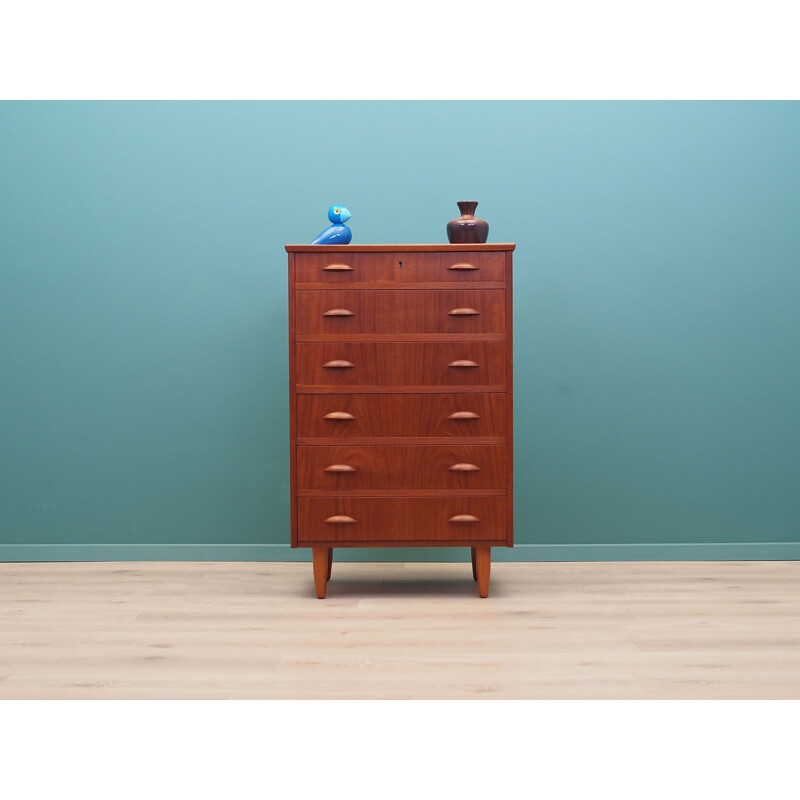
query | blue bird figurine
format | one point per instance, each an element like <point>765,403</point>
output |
<point>338,233</point>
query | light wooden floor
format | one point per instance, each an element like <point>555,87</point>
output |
<point>255,630</point>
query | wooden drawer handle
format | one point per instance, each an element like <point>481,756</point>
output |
<point>338,415</point>
<point>464,415</point>
<point>463,267</point>
<point>338,365</point>
<point>464,468</point>
<point>340,519</point>
<point>463,312</point>
<point>464,518</point>
<point>338,312</point>
<point>463,364</point>
<point>337,268</point>
<point>342,468</point>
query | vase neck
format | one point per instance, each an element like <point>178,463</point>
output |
<point>467,208</point>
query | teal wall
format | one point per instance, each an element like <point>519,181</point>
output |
<point>143,344</point>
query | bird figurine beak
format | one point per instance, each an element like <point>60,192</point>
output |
<point>344,214</point>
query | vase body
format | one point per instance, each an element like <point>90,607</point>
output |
<point>467,229</point>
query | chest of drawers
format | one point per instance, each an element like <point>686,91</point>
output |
<point>400,360</point>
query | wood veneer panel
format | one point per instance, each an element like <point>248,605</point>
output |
<point>401,519</point>
<point>350,467</point>
<point>398,337</point>
<point>399,266</point>
<point>400,248</point>
<point>292,403</point>
<point>397,285</point>
<point>399,492</point>
<point>493,440</point>
<point>342,311</point>
<point>402,415</point>
<point>509,398</point>
<point>400,365</point>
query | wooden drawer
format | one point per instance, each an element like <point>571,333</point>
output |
<point>402,520</point>
<point>351,468</point>
<point>389,267</point>
<point>359,311</point>
<point>399,366</point>
<point>396,416</point>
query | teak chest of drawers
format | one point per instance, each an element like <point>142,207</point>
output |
<point>400,360</point>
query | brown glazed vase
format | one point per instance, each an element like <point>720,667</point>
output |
<point>467,229</point>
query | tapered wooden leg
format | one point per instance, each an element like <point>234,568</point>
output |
<point>320,558</point>
<point>474,570</point>
<point>483,566</point>
<point>330,561</point>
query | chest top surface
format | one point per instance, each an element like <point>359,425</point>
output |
<point>397,248</point>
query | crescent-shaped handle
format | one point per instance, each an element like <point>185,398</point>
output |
<point>338,415</point>
<point>339,364</point>
<point>463,267</point>
<point>338,312</point>
<point>464,468</point>
<point>463,312</point>
<point>338,268</point>
<point>463,415</point>
<point>341,468</point>
<point>464,518</point>
<point>340,519</point>
<point>462,364</point>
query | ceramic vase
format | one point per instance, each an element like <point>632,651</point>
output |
<point>467,229</point>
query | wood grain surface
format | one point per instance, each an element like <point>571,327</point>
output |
<point>400,366</point>
<point>410,416</point>
<point>354,311</point>
<point>353,468</point>
<point>399,266</point>
<point>487,247</point>
<point>410,520</point>
<point>626,630</point>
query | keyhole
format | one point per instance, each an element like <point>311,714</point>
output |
<point>401,264</point>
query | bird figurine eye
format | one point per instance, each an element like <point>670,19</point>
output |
<point>335,210</point>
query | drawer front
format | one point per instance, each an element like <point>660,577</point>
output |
<point>420,520</point>
<point>349,468</point>
<point>351,267</point>
<point>353,416</point>
<point>353,311</point>
<point>399,366</point>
